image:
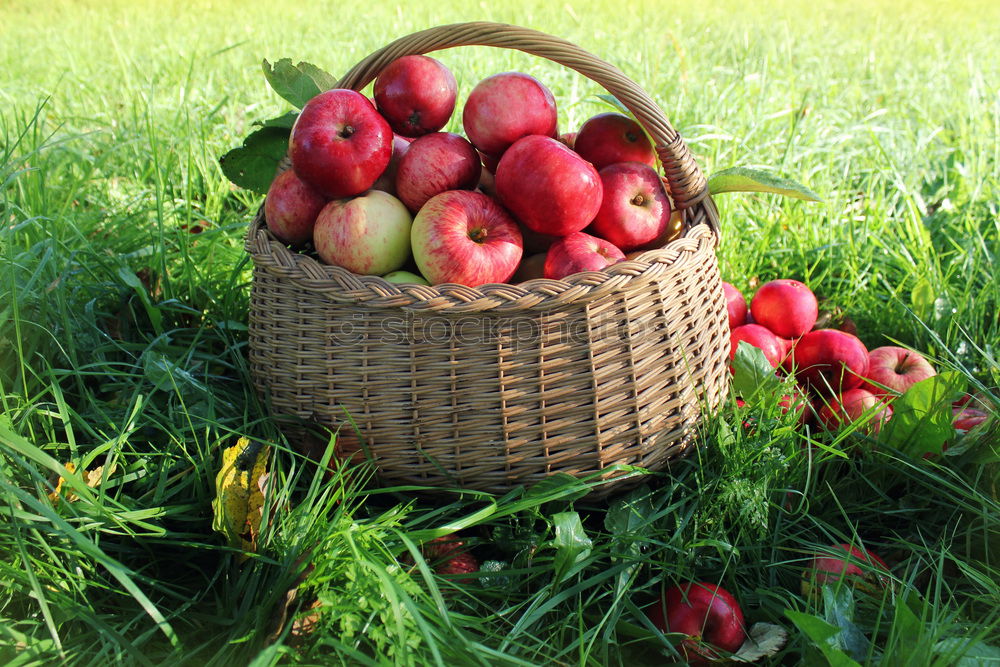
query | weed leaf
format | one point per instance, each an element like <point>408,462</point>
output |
<point>752,372</point>
<point>922,417</point>
<point>571,542</point>
<point>820,632</point>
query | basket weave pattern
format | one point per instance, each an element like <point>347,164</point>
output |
<point>500,385</point>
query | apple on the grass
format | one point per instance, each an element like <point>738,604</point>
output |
<point>635,208</point>
<point>367,235</point>
<point>853,405</point>
<point>758,336</point>
<point>892,370</point>
<point>387,181</point>
<point>340,144</point>
<point>612,137</point>
<point>736,305</point>
<point>505,107</point>
<point>548,187</point>
<point>964,419</point>
<point>416,95</point>
<point>786,307</point>
<point>578,252</point>
<point>708,614</point>
<point>845,563</point>
<point>433,164</point>
<point>465,237</point>
<point>830,361</point>
<point>291,208</point>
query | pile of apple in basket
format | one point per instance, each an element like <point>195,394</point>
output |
<point>374,185</point>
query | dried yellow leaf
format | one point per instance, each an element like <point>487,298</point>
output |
<point>239,488</point>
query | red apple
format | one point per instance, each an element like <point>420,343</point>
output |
<point>635,208</point>
<point>367,235</point>
<point>548,187</point>
<point>830,361</point>
<point>708,614</point>
<point>416,95</point>
<point>490,162</point>
<point>505,107</point>
<point>892,370</point>
<point>759,337</point>
<point>465,237</point>
<point>487,184</point>
<point>340,144</point>
<point>387,181</point>
<point>859,568</point>
<point>736,305</point>
<point>787,346</point>
<point>786,307</point>
<point>612,137</point>
<point>291,208</point>
<point>965,419</point>
<point>435,163</point>
<point>580,252</point>
<point>531,267</point>
<point>852,405</point>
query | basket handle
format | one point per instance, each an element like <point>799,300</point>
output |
<point>685,180</point>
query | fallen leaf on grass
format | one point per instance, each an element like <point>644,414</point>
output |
<point>765,639</point>
<point>239,501</point>
<point>91,478</point>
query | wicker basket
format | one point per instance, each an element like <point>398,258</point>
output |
<point>501,385</point>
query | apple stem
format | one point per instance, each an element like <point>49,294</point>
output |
<point>900,366</point>
<point>346,132</point>
<point>638,200</point>
<point>478,234</point>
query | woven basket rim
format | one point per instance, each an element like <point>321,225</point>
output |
<point>536,294</point>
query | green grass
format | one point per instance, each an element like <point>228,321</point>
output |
<point>123,340</point>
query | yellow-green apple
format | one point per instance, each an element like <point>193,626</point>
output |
<point>786,307</point>
<point>416,95</point>
<point>465,237</point>
<point>736,305</point>
<point>612,137</point>
<point>505,107</point>
<point>291,208</point>
<point>387,181</point>
<point>340,144</point>
<point>548,187</point>
<point>434,163</point>
<point>405,278</point>
<point>829,361</point>
<point>369,234</point>
<point>758,336</point>
<point>635,209</point>
<point>580,252</point>
<point>531,267</point>
<point>708,614</point>
<point>892,370</point>
<point>845,563</point>
<point>853,405</point>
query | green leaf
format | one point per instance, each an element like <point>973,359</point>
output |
<point>571,542</point>
<point>285,121</point>
<point>752,372</point>
<point>254,164</point>
<point>616,103</point>
<point>164,374</point>
<point>922,418</point>
<point>297,83</point>
<point>820,632</point>
<point>744,179</point>
<point>962,652</point>
<point>922,299</point>
<point>153,312</point>
<point>838,603</point>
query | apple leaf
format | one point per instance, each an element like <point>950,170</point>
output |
<point>963,652</point>
<point>922,418</point>
<point>571,542</point>
<point>254,164</point>
<point>286,121</point>
<point>765,639</point>
<point>297,83</point>
<point>752,372</point>
<point>616,103</point>
<point>744,179</point>
<point>820,633</point>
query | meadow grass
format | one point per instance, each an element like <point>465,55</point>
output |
<point>123,344</point>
